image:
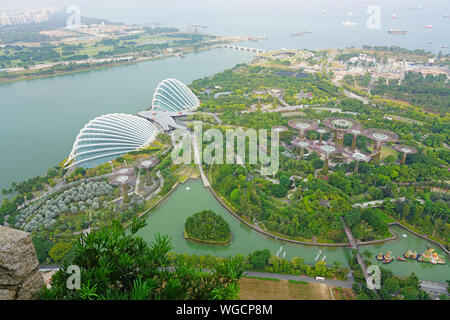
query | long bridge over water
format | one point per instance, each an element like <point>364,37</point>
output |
<point>354,245</point>
<point>256,50</point>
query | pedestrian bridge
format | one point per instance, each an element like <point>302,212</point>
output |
<point>229,46</point>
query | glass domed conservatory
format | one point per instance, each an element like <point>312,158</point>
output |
<point>108,137</point>
<point>173,96</point>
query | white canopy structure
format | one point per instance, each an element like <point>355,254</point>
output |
<point>174,96</point>
<point>109,136</point>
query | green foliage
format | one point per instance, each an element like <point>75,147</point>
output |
<point>117,265</point>
<point>207,225</point>
<point>260,258</point>
<point>59,250</point>
<point>42,247</point>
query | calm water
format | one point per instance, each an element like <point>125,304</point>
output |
<point>278,19</point>
<point>41,118</point>
<point>169,219</point>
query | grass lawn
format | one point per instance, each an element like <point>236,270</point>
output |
<point>383,216</point>
<point>255,289</point>
<point>343,294</point>
<point>387,151</point>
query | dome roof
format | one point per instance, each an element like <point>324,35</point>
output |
<point>173,96</point>
<point>109,136</point>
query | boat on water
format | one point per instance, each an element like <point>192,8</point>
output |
<point>391,31</point>
<point>445,46</point>
<point>385,258</point>
<point>431,257</point>
<point>412,8</point>
<point>446,15</point>
<point>401,258</point>
<point>394,16</point>
<point>388,257</point>
<point>410,254</point>
<point>300,33</point>
<point>428,26</point>
<point>348,23</point>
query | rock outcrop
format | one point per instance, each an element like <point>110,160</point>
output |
<point>20,278</point>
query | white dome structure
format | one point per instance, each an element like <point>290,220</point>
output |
<point>109,136</point>
<point>172,95</point>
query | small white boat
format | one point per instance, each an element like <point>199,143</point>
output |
<point>348,23</point>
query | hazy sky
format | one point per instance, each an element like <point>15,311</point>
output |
<point>235,5</point>
<point>274,13</point>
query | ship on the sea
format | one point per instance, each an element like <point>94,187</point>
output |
<point>349,23</point>
<point>300,33</point>
<point>391,31</point>
<point>428,26</point>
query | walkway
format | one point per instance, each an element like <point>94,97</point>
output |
<point>379,203</point>
<point>215,116</point>
<point>198,161</point>
<point>155,193</point>
<point>353,244</point>
<point>330,282</point>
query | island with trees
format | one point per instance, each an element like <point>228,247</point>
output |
<point>207,226</point>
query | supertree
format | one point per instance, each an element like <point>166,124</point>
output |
<point>303,125</point>
<point>302,144</point>
<point>358,158</point>
<point>379,136</point>
<point>341,126</point>
<point>327,150</point>
<point>405,150</point>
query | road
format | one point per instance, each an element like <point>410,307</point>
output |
<point>329,282</point>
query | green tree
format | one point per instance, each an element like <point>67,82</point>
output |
<point>116,264</point>
<point>59,250</point>
<point>260,258</point>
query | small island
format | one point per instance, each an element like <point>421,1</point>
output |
<point>207,226</point>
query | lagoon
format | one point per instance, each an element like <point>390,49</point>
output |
<point>191,197</point>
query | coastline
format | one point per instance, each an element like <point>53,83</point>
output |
<point>188,237</point>
<point>102,66</point>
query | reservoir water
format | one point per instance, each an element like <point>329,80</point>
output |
<point>170,216</point>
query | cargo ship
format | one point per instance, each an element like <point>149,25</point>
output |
<point>391,31</point>
<point>428,26</point>
<point>300,33</point>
